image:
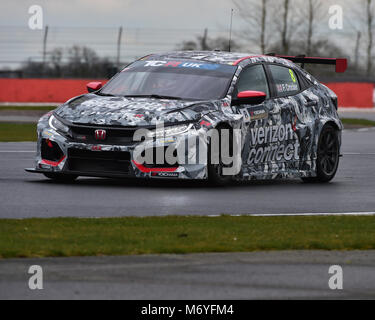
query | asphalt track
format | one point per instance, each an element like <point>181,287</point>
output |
<point>26,195</point>
<point>217,276</point>
<point>260,275</point>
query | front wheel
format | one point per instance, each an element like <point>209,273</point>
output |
<point>61,177</point>
<point>327,156</point>
<point>215,171</point>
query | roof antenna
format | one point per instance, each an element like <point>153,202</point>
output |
<point>230,29</point>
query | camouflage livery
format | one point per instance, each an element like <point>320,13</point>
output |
<point>279,137</point>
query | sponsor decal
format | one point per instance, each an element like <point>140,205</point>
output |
<point>286,87</point>
<point>258,114</point>
<point>205,123</point>
<point>165,174</point>
<point>81,137</point>
<point>246,115</point>
<point>165,141</point>
<point>292,75</point>
<point>273,143</point>
<point>96,148</point>
<point>181,64</point>
<point>252,114</point>
<point>50,134</point>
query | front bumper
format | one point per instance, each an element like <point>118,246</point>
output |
<point>103,160</point>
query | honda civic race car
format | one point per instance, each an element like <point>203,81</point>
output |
<point>270,119</point>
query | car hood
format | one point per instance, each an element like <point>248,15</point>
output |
<point>120,111</point>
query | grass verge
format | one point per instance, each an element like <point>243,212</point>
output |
<point>358,122</point>
<point>172,234</point>
<point>13,132</point>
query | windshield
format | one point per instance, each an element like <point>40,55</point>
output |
<point>188,79</point>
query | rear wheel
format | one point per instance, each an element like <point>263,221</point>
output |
<point>327,156</point>
<point>61,177</point>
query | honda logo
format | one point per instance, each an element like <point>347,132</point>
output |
<point>100,134</point>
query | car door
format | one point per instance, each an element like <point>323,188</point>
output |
<point>282,117</point>
<point>253,78</point>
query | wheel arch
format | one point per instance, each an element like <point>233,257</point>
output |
<point>223,125</point>
<point>331,122</point>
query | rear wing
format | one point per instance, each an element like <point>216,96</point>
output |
<point>340,63</point>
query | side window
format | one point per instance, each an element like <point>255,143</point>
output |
<point>304,81</point>
<point>252,78</point>
<point>286,81</point>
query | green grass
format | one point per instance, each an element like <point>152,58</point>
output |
<point>28,108</point>
<point>358,122</point>
<point>172,234</point>
<point>11,132</point>
<point>27,132</point>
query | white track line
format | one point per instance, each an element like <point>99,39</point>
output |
<point>15,151</point>
<point>301,214</point>
<point>354,109</point>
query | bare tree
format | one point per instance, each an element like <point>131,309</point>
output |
<point>254,14</point>
<point>203,40</point>
<point>263,27</point>
<point>56,60</point>
<point>208,43</point>
<point>284,29</point>
<point>361,21</point>
<point>311,15</point>
<point>188,45</point>
<point>284,25</point>
<point>356,49</point>
<point>77,62</point>
<point>314,13</point>
<point>370,19</point>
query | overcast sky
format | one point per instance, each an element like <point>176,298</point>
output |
<point>112,13</point>
<point>149,25</point>
<point>162,24</point>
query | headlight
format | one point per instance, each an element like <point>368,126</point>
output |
<point>170,131</point>
<point>57,125</point>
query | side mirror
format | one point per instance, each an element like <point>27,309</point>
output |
<point>250,97</point>
<point>93,86</point>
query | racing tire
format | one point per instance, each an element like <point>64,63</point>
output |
<point>215,175</point>
<point>60,177</point>
<point>328,155</point>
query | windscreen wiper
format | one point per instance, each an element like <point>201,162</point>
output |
<point>105,94</point>
<point>156,96</point>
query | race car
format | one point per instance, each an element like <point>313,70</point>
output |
<point>213,115</point>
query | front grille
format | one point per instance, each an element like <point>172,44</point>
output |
<point>98,161</point>
<point>86,134</point>
<point>104,155</point>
